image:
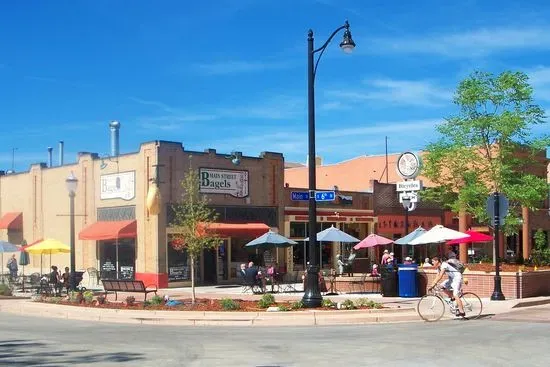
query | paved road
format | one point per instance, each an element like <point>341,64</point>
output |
<point>530,314</point>
<point>34,341</point>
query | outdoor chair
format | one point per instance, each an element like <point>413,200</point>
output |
<point>359,285</point>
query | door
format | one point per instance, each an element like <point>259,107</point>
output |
<point>210,266</point>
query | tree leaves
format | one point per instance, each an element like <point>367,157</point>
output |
<point>488,146</point>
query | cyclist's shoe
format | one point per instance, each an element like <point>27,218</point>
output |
<point>461,314</point>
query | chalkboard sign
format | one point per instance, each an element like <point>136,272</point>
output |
<point>108,266</point>
<point>126,272</point>
<point>176,273</point>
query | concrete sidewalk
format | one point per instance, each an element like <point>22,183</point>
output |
<point>396,309</point>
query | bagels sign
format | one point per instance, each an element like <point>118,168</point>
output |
<point>222,181</point>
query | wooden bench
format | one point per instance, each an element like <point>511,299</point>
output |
<point>137,286</point>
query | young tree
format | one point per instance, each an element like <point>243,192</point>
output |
<point>191,223</point>
<point>488,146</point>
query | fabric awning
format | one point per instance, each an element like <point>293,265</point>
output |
<point>12,220</point>
<point>238,229</point>
<point>109,230</point>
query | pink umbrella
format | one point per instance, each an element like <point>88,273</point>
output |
<point>474,237</point>
<point>372,240</point>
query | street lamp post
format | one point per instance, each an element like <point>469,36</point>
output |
<point>406,206</point>
<point>312,296</point>
<point>72,183</point>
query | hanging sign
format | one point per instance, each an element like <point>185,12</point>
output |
<point>118,186</point>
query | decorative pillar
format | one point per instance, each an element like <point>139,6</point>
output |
<point>463,227</point>
<point>526,236</point>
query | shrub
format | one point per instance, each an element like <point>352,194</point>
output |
<point>348,305</point>
<point>360,302</point>
<point>75,297</point>
<point>5,290</point>
<point>147,303</point>
<point>101,299</point>
<point>266,301</point>
<point>156,300</point>
<point>297,305</point>
<point>56,299</point>
<point>130,300</point>
<point>88,296</point>
<point>229,304</point>
<point>284,308</point>
<point>327,302</point>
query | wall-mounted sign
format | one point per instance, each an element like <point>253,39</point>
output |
<point>224,181</point>
<point>408,165</point>
<point>118,186</point>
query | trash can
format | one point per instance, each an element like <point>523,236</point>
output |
<point>408,280</point>
<point>388,281</point>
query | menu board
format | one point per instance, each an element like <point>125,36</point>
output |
<point>126,272</point>
<point>176,273</point>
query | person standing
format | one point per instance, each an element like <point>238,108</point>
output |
<point>13,268</point>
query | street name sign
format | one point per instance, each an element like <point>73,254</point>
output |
<point>299,195</point>
<point>325,195</point>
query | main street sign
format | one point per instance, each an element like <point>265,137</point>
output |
<point>299,195</point>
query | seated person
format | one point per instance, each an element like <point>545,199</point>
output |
<point>254,276</point>
<point>375,272</point>
<point>408,261</point>
<point>426,263</point>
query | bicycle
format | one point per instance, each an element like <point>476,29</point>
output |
<point>431,307</point>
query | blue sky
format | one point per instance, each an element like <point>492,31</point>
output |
<point>231,74</point>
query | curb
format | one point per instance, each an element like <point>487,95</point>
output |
<point>213,318</point>
<point>537,302</point>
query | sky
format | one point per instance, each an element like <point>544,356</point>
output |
<point>232,74</point>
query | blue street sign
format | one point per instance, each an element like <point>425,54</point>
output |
<point>299,195</point>
<point>325,195</point>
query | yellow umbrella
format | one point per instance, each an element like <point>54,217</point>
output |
<point>48,246</point>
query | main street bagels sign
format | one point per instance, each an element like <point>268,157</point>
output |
<point>118,186</point>
<point>224,181</point>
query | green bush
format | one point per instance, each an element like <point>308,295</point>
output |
<point>56,299</point>
<point>348,305</point>
<point>88,296</point>
<point>327,302</point>
<point>284,308</point>
<point>5,290</point>
<point>229,304</point>
<point>156,300</point>
<point>297,305</point>
<point>266,301</point>
<point>147,303</point>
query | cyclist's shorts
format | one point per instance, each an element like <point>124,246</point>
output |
<point>454,284</point>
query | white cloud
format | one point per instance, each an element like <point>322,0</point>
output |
<point>405,92</point>
<point>240,67</point>
<point>467,44</point>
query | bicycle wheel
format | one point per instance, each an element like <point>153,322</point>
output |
<point>430,308</point>
<point>472,305</point>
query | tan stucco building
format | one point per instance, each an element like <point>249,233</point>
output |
<point>116,233</point>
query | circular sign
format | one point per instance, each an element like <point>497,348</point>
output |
<point>408,165</point>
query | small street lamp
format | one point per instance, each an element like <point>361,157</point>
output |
<point>72,183</point>
<point>312,296</point>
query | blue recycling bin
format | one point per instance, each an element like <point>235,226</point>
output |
<point>408,280</point>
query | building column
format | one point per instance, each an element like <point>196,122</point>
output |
<point>463,227</point>
<point>526,236</point>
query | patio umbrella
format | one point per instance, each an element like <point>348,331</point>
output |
<point>411,236</point>
<point>270,240</point>
<point>438,234</point>
<point>372,240</point>
<point>47,246</point>
<point>6,247</point>
<point>333,234</point>
<point>474,237</point>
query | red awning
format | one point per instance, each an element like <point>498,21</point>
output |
<point>113,230</point>
<point>13,220</point>
<point>238,229</point>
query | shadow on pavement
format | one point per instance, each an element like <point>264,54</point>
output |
<point>31,353</point>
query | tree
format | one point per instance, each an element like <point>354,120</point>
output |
<point>488,146</point>
<point>191,223</point>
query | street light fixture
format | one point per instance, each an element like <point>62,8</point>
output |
<point>312,296</point>
<point>72,183</point>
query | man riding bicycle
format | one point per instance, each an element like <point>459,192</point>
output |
<point>454,282</point>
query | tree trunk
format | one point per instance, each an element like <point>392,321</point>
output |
<point>192,279</point>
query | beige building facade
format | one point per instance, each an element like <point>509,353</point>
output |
<point>115,231</point>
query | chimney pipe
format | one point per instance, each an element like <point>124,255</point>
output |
<point>61,152</point>
<point>115,127</point>
<point>50,149</point>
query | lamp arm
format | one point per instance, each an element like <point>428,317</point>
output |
<point>324,46</point>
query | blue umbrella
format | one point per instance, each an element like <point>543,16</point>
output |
<point>270,240</point>
<point>333,234</point>
<point>411,236</point>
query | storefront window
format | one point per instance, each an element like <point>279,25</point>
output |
<point>122,252</point>
<point>179,265</point>
<point>298,229</point>
<point>240,254</point>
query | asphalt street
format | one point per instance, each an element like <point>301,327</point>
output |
<point>35,341</point>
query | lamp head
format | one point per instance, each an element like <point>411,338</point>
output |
<point>235,158</point>
<point>347,45</point>
<point>72,183</point>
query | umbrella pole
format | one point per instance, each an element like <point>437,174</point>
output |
<point>2,268</point>
<point>116,249</point>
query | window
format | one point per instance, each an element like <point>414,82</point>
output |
<point>179,264</point>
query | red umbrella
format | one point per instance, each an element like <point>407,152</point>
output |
<point>474,237</point>
<point>372,240</point>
